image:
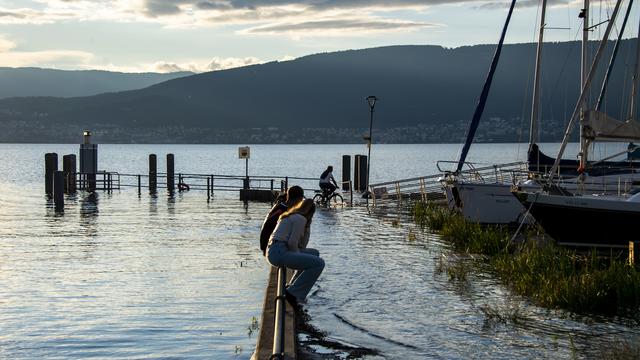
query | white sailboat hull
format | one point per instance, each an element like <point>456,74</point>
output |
<point>486,203</point>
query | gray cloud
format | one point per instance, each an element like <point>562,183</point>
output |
<point>156,8</point>
<point>12,14</point>
<point>345,24</point>
<point>520,4</point>
<point>170,7</point>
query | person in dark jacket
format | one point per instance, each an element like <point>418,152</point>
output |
<point>327,182</point>
<point>295,194</point>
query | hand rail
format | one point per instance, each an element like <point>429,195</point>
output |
<point>278,331</point>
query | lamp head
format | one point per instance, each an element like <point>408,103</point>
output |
<point>372,101</point>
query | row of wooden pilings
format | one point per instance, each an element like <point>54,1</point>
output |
<point>68,181</point>
<point>57,183</point>
<point>360,173</point>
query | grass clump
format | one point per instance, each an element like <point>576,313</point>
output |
<point>465,236</point>
<point>552,276</point>
<point>429,215</point>
<point>560,278</point>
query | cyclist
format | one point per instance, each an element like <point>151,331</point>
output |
<point>327,182</point>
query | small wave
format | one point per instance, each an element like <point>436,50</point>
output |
<point>374,334</point>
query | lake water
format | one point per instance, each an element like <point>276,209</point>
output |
<point>122,276</point>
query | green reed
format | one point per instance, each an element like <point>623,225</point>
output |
<point>560,278</point>
<point>552,276</point>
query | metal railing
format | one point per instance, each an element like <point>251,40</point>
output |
<point>280,313</point>
<point>497,173</point>
<point>430,187</point>
<point>102,180</point>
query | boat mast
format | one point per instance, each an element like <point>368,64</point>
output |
<point>634,87</point>
<point>477,114</point>
<point>583,92</point>
<point>583,80</point>
<point>535,103</point>
<point>614,57</point>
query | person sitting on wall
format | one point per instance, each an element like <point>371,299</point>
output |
<point>327,181</point>
<point>294,195</point>
<point>288,247</point>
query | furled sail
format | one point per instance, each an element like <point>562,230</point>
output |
<point>599,126</point>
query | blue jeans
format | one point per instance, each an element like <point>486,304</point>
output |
<point>307,263</point>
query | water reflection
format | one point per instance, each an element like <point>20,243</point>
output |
<point>153,204</point>
<point>89,213</point>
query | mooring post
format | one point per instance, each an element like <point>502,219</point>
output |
<point>346,172</point>
<point>58,190</point>
<point>634,246</point>
<point>212,186</point>
<point>271,184</point>
<point>153,173</point>
<point>139,186</point>
<point>88,162</point>
<point>356,172</point>
<point>180,182</point>
<point>69,169</point>
<point>363,182</point>
<point>50,167</point>
<point>208,185</point>
<point>286,183</point>
<point>171,183</point>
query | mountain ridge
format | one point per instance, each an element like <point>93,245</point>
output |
<point>427,94</point>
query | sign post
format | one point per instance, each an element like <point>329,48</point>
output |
<point>244,152</point>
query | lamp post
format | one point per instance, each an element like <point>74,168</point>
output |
<point>372,104</point>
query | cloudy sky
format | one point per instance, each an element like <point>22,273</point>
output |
<point>204,35</point>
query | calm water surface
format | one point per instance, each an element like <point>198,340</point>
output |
<point>121,276</point>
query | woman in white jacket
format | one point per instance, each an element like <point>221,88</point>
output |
<point>287,247</point>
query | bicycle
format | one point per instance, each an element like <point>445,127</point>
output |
<point>327,199</point>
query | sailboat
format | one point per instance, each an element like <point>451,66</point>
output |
<point>492,202</point>
<point>554,209</point>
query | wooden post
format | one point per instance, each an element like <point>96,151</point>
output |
<point>356,172</point>
<point>208,185</point>
<point>139,186</point>
<point>286,183</point>
<point>50,167</point>
<point>180,182</point>
<point>212,186</point>
<point>69,169</point>
<point>271,184</point>
<point>634,246</point>
<point>170,174</point>
<point>58,190</point>
<point>360,173</point>
<point>346,172</point>
<point>153,173</point>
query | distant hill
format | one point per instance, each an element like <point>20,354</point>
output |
<point>427,94</point>
<point>30,81</point>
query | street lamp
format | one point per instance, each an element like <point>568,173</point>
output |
<point>372,104</point>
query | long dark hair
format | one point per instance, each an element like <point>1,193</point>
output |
<point>305,208</point>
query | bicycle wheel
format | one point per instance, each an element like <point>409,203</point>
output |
<point>318,199</point>
<point>336,200</point>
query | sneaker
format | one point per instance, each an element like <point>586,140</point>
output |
<point>292,300</point>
